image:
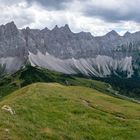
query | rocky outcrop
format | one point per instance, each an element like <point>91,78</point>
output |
<point>62,50</point>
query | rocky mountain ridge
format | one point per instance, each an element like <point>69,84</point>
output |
<point>62,50</point>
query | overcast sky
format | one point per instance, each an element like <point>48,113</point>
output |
<point>95,16</point>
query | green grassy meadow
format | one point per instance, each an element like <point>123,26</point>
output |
<point>52,111</point>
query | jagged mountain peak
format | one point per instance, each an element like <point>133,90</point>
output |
<point>11,25</point>
<point>27,28</point>
<point>45,30</point>
<point>112,33</point>
<point>9,30</point>
<point>127,34</point>
<point>62,50</point>
<point>65,28</point>
<point>86,35</point>
<point>55,28</point>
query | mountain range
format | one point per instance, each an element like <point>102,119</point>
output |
<point>62,50</point>
<point>56,84</point>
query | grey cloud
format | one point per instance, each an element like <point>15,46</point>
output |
<point>113,14</point>
<point>20,15</point>
<point>24,20</point>
<point>21,21</point>
<point>51,4</point>
<point>10,2</point>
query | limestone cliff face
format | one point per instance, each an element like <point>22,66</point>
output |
<point>62,50</point>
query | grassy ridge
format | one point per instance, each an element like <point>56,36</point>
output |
<point>30,75</point>
<point>57,112</point>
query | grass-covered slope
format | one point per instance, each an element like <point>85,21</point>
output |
<point>52,111</point>
<point>129,87</point>
<point>29,75</point>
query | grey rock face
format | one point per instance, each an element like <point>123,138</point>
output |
<point>12,42</point>
<point>62,50</point>
<point>12,47</point>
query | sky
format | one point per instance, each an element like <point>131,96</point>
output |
<point>95,16</point>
